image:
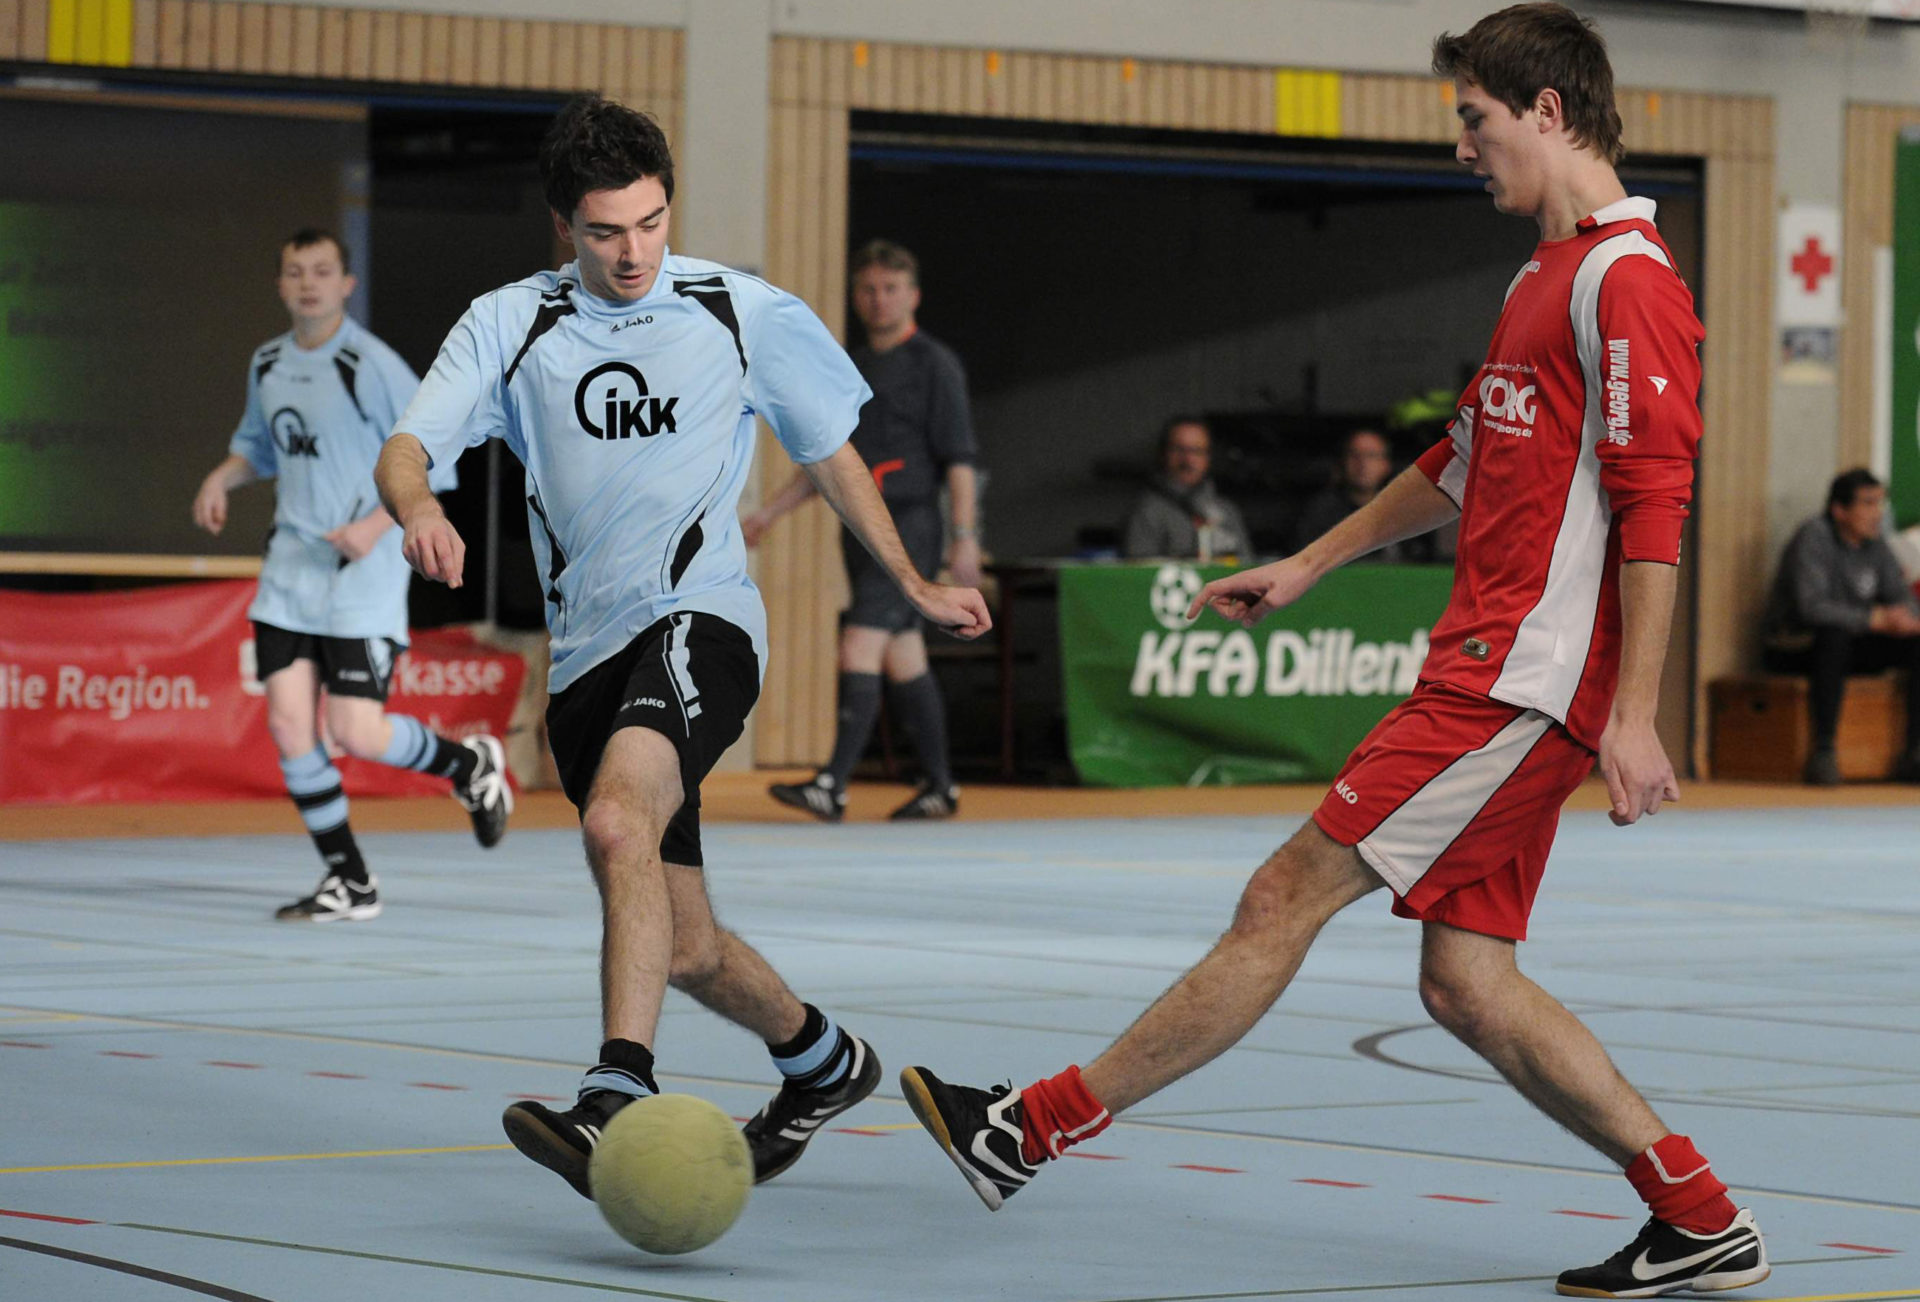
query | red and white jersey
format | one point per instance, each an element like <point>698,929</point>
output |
<point>1572,451</point>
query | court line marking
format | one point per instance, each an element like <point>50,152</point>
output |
<point>423,1261</point>
<point>1334,1289</point>
<point>139,1272</point>
<point>270,1157</point>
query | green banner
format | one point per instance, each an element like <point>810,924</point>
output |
<point>1905,488</point>
<point>1152,701</point>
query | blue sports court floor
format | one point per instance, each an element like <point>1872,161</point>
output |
<point>200,1102</point>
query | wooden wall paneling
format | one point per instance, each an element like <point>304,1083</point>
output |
<point>360,37</point>
<point>614,70</point>
<point>539,71</point>
<point>333,42</point>
<point>668,65</point>
<point>563,71</point>
<point>918,68</point>
<point>385,46</point>
<point>1046,74</point>
<point>306,41</point>
<point>436,48</point>
<point>279,60</point>
<point>10,28</point>
<point>463,38</point>
<point>839,70</point>
<point>1180,96</point>
<point>32,44</point>
<point>589,67</point>
<point>978,84</point>
<point>171,46</point>
<point>640,86</point>
<point>146,32</point>
<point>513,52</point>
<point>253,37</point>
<point>226,36</point>
<point>820,621</point>
<point>486,51</point>
<point>950,76</point>
<point>773,737</point>
<point>783,70</point>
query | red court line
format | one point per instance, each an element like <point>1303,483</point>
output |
<point>1592,1216</point>
<point>1862,1247</point>
<point>22,1044</point>
<point>36,1216</point>
<point>125,1053</point>
<point>432,1085</point>
<point>857,1130</point>
<point>555,1098</point>
<point>1336,1184</point>
<point>336,1075</point>
<point>1098,1157</point>
<point>1216,1170</point>
<point>243,1066</point>
<point>1456,1198</point>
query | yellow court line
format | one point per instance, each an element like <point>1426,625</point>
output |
<point>274,1157</point>
<point>1852,1297</point>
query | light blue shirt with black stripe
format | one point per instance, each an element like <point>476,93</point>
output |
<point>315,421</point>
<point>635,422</point>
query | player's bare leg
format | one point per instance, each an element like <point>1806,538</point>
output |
<point>476,767</point>
<point>1472,985</point>
<point>998,1138</point>
<point>1207,1011</point>
<point>721,970</point>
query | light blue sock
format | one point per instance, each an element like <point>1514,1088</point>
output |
<point>314,784</point>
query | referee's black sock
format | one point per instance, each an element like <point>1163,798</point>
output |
<point>922,712</point>
<point>859,708</point>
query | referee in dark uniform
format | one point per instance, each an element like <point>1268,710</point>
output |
<point>916,434</point>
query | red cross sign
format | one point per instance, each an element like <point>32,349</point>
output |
<point>1812,264</point>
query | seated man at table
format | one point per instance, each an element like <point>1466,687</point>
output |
<point>1366,464</point>
<point>1181,514</point>
<point>1840,606</point>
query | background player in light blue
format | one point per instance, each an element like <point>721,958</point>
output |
<point>628,382</point>
<point>332,606</point>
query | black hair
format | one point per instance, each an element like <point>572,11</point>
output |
<point>1847,486</point>
<point>308,236</point>
<point>1173,423</point>
<point>596,144</point>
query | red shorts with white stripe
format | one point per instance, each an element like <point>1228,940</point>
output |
<point>1454,799</point>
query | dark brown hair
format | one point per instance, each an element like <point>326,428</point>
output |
<point>1849,485</point>
<point>308,236</point>
<point>1515,54</point>
<point>887,254</point>
<point>596,144</point>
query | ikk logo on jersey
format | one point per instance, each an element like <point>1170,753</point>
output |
<point>612,403</point>
<point>290,435</point>
<point>1508,407</point>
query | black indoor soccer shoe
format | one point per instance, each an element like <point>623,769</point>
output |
<point>817,796</point>
<point>334,900</point>
<point>1666,1259</point>
<point>978,1129</point>
<point>779,1134</point>
<point>487,797</point>
<point>563,1142</point>
<point>929,802</point>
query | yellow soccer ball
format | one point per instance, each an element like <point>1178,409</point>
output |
<point>670,1173</point>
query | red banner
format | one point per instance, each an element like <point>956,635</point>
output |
<point>150,695</point>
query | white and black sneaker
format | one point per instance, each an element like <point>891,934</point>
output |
<point>820,796</point>
<point>929,802</point>
<point>780,1132</point>
<point>563,1142</point>
<point>978,1129</point>
<point>1666,1259</point>
<point>486,795</point>
<point>335,900</point>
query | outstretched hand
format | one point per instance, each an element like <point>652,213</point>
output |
<point>433,547</point>
<point>1250,596</point>
<point>959,611</point>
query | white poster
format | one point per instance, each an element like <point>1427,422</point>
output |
<point>1808,259</point>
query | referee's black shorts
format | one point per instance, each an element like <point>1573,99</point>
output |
<point>877,603</point>
<point>691,677</point>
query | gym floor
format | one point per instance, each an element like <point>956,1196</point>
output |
<point>203,1102</point>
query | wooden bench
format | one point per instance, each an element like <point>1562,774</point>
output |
<point>1761,730</point>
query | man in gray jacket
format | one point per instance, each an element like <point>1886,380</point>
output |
<point>1842,605</point>
<point>1181,514</point>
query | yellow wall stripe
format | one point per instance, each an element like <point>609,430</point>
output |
<point>62,17</point>
<point>116,46</point>
<point>90,31</point>
<point>1306,103</point>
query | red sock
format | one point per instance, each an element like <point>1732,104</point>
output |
<point>1680,1188</point>
<point>1058,1113</point>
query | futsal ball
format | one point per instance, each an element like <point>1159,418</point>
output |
<point>670,1173</point>
<point>1174,589</point>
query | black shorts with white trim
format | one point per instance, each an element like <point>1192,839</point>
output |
<point>693,678</point>
<point>347,666</point>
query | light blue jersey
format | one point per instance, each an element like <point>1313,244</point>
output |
<point>315,420</point>
<point>635,424</point>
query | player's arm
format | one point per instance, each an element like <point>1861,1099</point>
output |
<point>963,499</point>
<point>847,485</point>
<point>1411,504</point>
<point>432,545</point>
<point>754,525</point>
<point>210,503</point>
<point>1639,775</point>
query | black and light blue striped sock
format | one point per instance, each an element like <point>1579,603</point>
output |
<point>314,784</point>
<point>416,747</point>
<point>625,1067</point>
<point>817,1058</point>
